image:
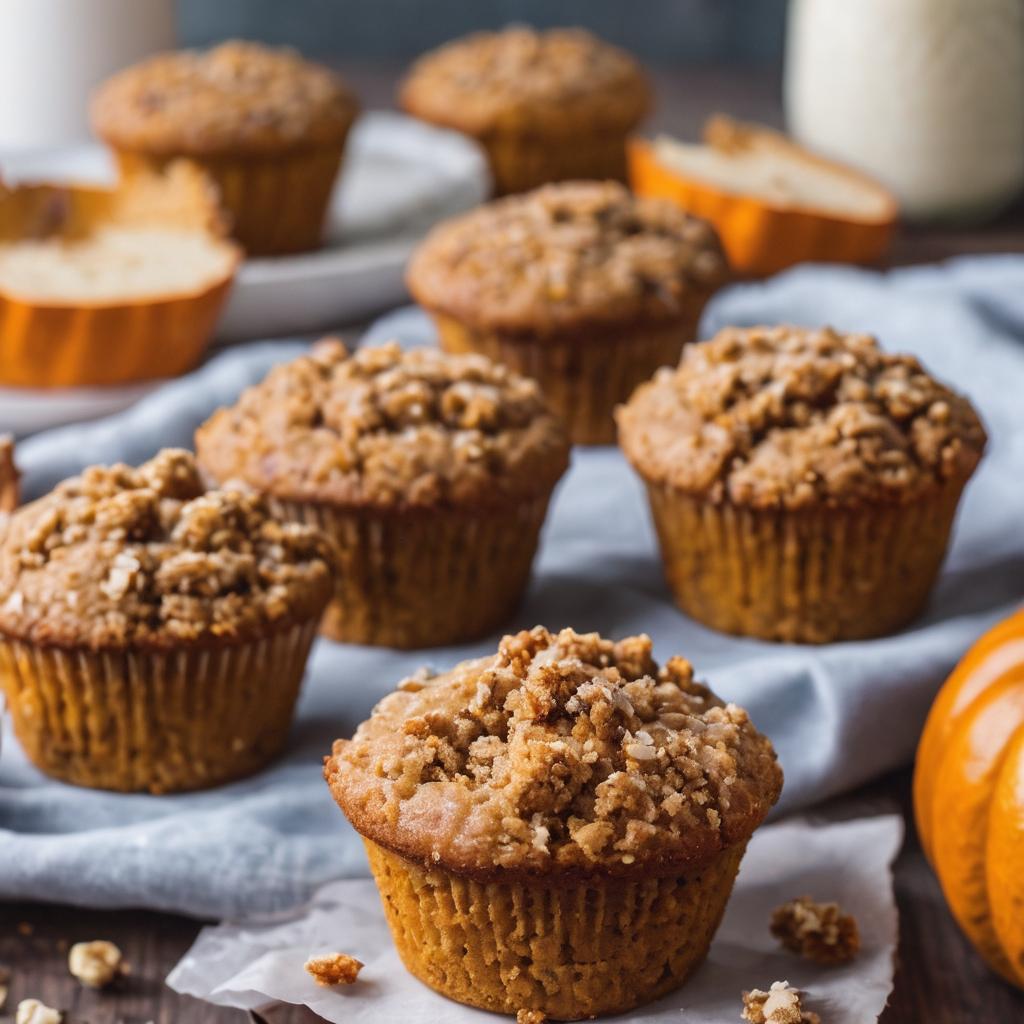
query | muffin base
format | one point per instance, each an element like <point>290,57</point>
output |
<point>802,576</point>
<point>277,204</point>
<point>570,948</point>
<point>154,721</point>
<point>584,375</point>
<point>424,579</point>
<point>522,162</point>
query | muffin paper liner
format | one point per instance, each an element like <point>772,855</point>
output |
<point>424,578</point>
<point>568,948</point>
<point>800,576</point>
<point>584,376</point>
<point>153,720</point>
<point>277,205</point>
<point>521,162</point>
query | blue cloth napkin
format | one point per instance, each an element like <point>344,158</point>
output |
<point>838,714</point>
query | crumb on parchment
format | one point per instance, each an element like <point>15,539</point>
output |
<point>779,1005</point>
<point>818,931</point>
<point>96,964</point>
<point>334,969</point>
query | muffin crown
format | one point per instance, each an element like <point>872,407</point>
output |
<point>566,256</point>
<point>788,417</point>
<point>238,97</point>
<point>389,429</point>
<point>528,81</point>
<point>122,557</point>
<point>562,753</point>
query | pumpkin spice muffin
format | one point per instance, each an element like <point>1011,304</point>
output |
<point>545,106</point>
<point>432,473</point>
<point>266,125</point>
<point>579,285</point>
<point>153,635</point>
<point>557,827</point>
<point>803,483</point>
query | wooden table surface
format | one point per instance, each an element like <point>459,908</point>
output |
<point>939,980</point>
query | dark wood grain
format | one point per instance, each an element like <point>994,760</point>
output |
<point>939,979</point>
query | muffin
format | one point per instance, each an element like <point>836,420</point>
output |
<point>153,636</point>
<point>545,106</point>
<point>266,125</point>
<point>557,827</point>
<point>432,474</point>
<point>803,483</point>
<point>579,285</point>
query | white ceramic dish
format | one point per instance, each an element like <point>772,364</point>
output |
<point>401,176</point>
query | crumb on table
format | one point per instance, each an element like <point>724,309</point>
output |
<point>96,964</point>
<point>31,1011</point>
<point>334,969</point>
<point>779,1005</point>
<point>818,931</point>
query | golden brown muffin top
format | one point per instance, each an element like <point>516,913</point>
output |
<point>147,558</point>
<point>790,417</point>
<point>561,753</point>
<point>390,429</point>
<point>8,475</point>
<point>528,82</point>
<point>564,257</point>
<point>236,98</point>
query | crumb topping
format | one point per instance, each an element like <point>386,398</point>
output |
<point>566,252</point>
<point>780,1005</point>
<point>96,964</point>
<point>790,417</point>
<point>521,79</point>
<point>8,475</point>
<point>389,428</point>
<point>32,1011</point>
<point>818,931</point>
<point>562,751</point>
<point>334,969</point>
<point>121,556</point>
<point>239,96</point>
<point>531,1017</point>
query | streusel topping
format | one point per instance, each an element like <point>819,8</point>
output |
<point>781,1004</point>
<point>562,751</point>
<point>566,253</point>
<point>790,417</point>
<point>239,97</point>
<point>387,427</point>
<point>521,79</point>
<point>818,931</point>
<point>147,557</point>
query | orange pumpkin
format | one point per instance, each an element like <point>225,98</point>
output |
<point>773,203</point>
<point>969,795</point>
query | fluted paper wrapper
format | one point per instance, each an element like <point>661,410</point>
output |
<point>258,963</point>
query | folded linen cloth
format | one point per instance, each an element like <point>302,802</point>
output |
<point>838,714</point>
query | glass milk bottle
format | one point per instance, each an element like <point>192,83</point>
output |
<point>926,95</point>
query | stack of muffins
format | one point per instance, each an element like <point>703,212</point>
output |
<point>556,827</point>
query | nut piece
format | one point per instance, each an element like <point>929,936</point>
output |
<point>530,1017</point>
<point>31,1011</point>
<point>95,964</point>
<point>781,1005</point>
<point>818,931</point>
<point>334,969</point>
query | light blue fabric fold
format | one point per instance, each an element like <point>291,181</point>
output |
<point>838,715</point>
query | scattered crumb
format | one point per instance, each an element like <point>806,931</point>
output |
<point>334,969</point>
<point>530,1017</point>
<point>780,1005</point>
<point>818,931</point>
<point>95,964</point>
<point>31,1011</point>
<point>5,980</point>
<point>25,928</point>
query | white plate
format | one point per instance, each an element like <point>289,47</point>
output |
<point>400,177</point>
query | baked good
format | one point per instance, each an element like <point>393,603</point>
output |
<point>774,203</point>
<point>266,125</point>
<point>557,827</point>
<point>578,285</point>
<point>102,286</point>
<point>803,482</point>
<point>432,473</point>
<point>545,106</point>
<point>153,635</point>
